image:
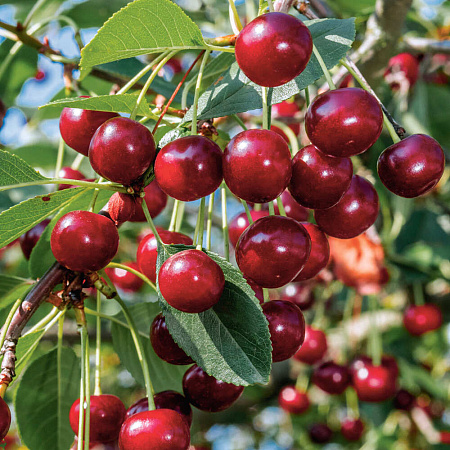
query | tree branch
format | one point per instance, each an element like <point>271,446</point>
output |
<point>424,45</point>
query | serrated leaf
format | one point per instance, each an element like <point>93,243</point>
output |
<point>39,154</point>
<point>142,27</point>
<point>164,375</point>
<point>9,283</point>
<point>14,170</point>
<point>172,135</point>
<point>42,402</point>
<point>10,297</point>
<point>231,340</point>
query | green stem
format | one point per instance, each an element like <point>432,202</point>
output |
<point>352,403</point>
<point>87,372</point>
<point>226,240</point>
<point>324,68</point>
<point>77,161</point>
<point>266,295</point>
<point>9,57</point>
<point>94,197</point>
<point>271,209</point>
<point>376,345</point>
<point>197,92</point>
<point>239,121</point>
<point>201,224</point>
<point>269,2</point>
<point>133,271</point>
<point>58,359</point>
<point>149,219</point>
<point>301,384</point>
<point>60,157</point>
<point>98,347</point>
<point>7,323</point>
<point>293,141</point>
<point>43,322</point>
<point>209,222</point>
<point>180,217</point>
<point>265,108</point>
<point>81,437</point>
<point>307,97</point>
<point>281,206</point>
<point>236,17</point>
<point>348,311</point>
<point>320,311</point>
<point>247,211</point>
<point>418,293</point>
<point>173,219</point>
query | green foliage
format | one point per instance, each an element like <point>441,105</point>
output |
<point>14,170</point>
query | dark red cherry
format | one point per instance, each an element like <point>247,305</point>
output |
<point>273,49</point>
<point>422,319</point>
<point>164,400</point>
<point>83,241</point>
<point>273,250</point>
<point>164,345</point>
<point>122,150</point>
<point>191,281</point>
<point>72,174</point>
<point>293,401</point>
<point>206,392</point>
<point>412,167</point>
<point>106,418</point>
<point>286,326</point>
<point>344,122</point>
<point>387,361</point>
<point>161,429</point>
<point>28,240</point>
<point>257,290</point>
<point>298,293</point>
<point>156,201</point>
<point>147,251</point>
<point>124,280</point>
<point>374,383</point>
<point>240,223</point>
<point>352,429</point>
<point>318,180</point>
<point>292,208</point>
<point>402,67</point>
<point>353,214</point>
<point>331,377</point>
<point>314,347</point>
<point>77,126</point>
<point>320,433</point>
<point>286,112</point>
<point>121,208</point>
<point>189,168</point>
<point>257,165</point>
<point>5,419</point>
<point>114,445</point>
<point>404,400</point>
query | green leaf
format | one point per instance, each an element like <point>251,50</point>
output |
<point>14,170</point>
<point>26,348</point>
<point>236,93</point>
<point>231,340</point>
<point>39,154</point>
<point>164,375</point>
<point>142,27</point>
<point>42,402</point>
<point>8,283</point>
<point>10,297</point>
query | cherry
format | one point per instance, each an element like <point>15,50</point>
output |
<point>124,280</point>
<point>240,223</point>
<point>374,383</point>
<point>72,174</point>
<point>78,126</point>
<point>97,445</point>
<point>83,241</point>
<point>259,294</point>
<point>412,167</point>
<point>300,294</point>
<point>164,400</point>
<point>403,66</point>
<point>318,180</point>
<point>293,401</point>
<point>161,429</point>
<point>344,122</point>
<point>106,418</point>
<point>189,168</point>
<point>28,240</point>
<point>121,208</point>
<point>191,281</point>
<point>273,49</point>
<point>273,250</point>
<point>320,433</point>
<point>404,400</point>
<point>353,214</point>
<point>5,419</point>
<point>257,165</point>
<point>286,111</point>
<point>164,345</point>
<point>292,208</point>
<point>387,361</point>
<point>352,429</point>
<point>331,377</point>
<point>286,326</point>
<point>206,392</point>
<point>421,319</point>
<point>156,201</point>
<point>314,347</point>
<point>147,252</point>
<point>122,150</point>
<point>445,437</point>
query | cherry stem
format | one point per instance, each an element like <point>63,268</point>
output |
<point>180,217</point>
<point>198,239</point>
<point>8,321</point>
<point>293,141</point>
<point>209,221</point>
<point>60,157</point>
<point>280,206</point>
<point>307,97</point>
<point>114,265</point>
<point>173,219</point>
<point>239,121</point>
<point>302,382</point>
<point>269,2</point>
<point>150,220</point>
<point>236,23</point>
<point>198,85</point>
<point>265,108</point>
<point>77,161</point>
<point>266,295</point>
<point>320,311</point>
<point>348,312</point>
<point>98,346</point>
<point>376,345</point>
<point>247,211</point>
<point>226,240</point>
<point>59,358</point>
<point>271,209</point>
<point>352,403</point>
<point>94,196</point>
<point>324,68</point>
<point>418,294</point>
<point>87,425</point>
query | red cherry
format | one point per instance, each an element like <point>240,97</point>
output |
<point>5,418</point>
<point>273,49</point>
<point>403,63</point>
<point>161,429</point>
<point>298,293</point>
<point>156,201</point>
<point>293,401</point>
<point>77,126</point>
<point>331,377</point>
<point>164,345</point>
<point>273,250</point>
<point>352,430</point>
<point>240,223</point>
<point>374,383</point>
<point>280,133</point>
<point>147,251</point>
<point>259,294</point>
<point>387,361</point>
<point>206,392</point>
<point>106,418</point>
<point>320,433</point>
<point>314,347</point>
<point>121,208</point>
<point>445,437</point>
<point>72,174</point>
<point>318,180</point>
<point>292,208</point>
<point>124,280</point>
<point>286,111</point>
<point>404,400</point>
<point>122,150</point>
<point>257,165</point>
<point>353,214</point>
<point>412,167</point>
<point>422,319</point>
<point>191,281</point>
<point>28,240</point>
<point>344,122</point>
<point>189,168</point>
<point>97,445</point>
<point>83,241</point>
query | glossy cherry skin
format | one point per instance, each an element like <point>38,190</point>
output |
<point>191,281</point>
<point>300,294</point>
<point>259,294</point>
<point>5,419</point>
<point>286,326</point>
<point>189,168</point>
<point>273,49</point>
<point>318,180</point>
<point>240,223</point>
<point>353,214</point>
<point>78,126</point>
<point>122,150</point>
<point>124,280</point>
<point>293,401</point>
<point>72,174</point>
<point>273,250</point>
<point>207,393</point>
<point>344,122</point>
<point>292,208</point>
<point>257,165</point>
<point>83,241</point>
<point>121,207</point>
<point>374,384</point>
<point>164,345</point>
<point>106,418</point>
<point>28,240</point>
<point>405,63</point>
<point>387,361</point>
<point>413,166</point>
<point>331,377</point>
<point>404,400</point>
<point>320,433</point>
<point>114,445</point>
<point>314,347</point>
<point>352,430</point>
<point>147,252</point>
<point>161,429</point>
<point>156,201</point>
<point>164,400</point>
<point>421,319</point>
